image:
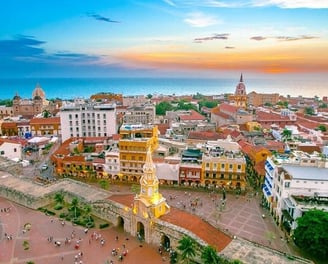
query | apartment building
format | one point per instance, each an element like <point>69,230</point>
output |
<point>88,120</point>
<point>134,142</point>
<point>297,189</point>
<point>144,114</point>
<point>293,184</point>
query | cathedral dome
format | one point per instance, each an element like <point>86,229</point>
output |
<point>16,97</point>
<point>38,92</point>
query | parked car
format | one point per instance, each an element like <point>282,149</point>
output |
<point>44,167</point>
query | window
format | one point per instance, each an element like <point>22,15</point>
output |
<point>15,150</point>
<point>239,167</point>
<point>287,184</point>
<point>222,166</point>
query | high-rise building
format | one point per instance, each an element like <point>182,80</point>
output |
<point>88,120</point>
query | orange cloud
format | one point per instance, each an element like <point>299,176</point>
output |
<point>273,61</point>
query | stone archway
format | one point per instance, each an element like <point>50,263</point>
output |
<point>120,223</point>
<point>140,231</point>
<point>165,241</point>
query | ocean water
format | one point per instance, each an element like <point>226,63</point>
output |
<point>68,88</point>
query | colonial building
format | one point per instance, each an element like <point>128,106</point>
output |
<point>45,126</point>
<point>133,145</point>
<point>88,120</point>
<point>239,99</point>
<point>29,107</point>
<point>144,114</point>
<point>259,99</point>
<point>224,165</point>
<point>190,171</point>
<point>12,148</point>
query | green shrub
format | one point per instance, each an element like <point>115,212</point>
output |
<point>58,207</point>
<point>101,226</point>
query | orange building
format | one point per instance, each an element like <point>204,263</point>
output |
<point>45,126</point>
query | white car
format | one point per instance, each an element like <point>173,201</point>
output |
<point>44,167</point>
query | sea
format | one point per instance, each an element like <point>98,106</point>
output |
<point>70,88</point>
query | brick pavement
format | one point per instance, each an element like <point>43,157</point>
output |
<point>43,251</point>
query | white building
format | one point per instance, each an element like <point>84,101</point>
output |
<point>10,149</point>
<point>88,120</point>
<point>296,189</point>
<point>112,164</point>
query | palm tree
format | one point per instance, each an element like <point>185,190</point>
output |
<point>286,134</point>
<point>74,204</point>
<point>187,248</point>
<point>210,256</point>
<point>88,209</point>
<point>59,198</point>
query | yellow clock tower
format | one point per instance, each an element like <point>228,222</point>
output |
<point>149,203</point>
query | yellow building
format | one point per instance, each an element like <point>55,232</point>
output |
<point>253,126</point>
<point>225,169</point>
<point>134,142</point>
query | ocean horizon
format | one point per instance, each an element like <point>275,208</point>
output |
<point>69,88</point>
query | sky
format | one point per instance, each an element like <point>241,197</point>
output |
<point>164,38</point>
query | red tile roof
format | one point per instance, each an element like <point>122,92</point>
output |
<point>192,116</point>
<point>205,135</point>
<point>228,108</point>
<point>49,120</point>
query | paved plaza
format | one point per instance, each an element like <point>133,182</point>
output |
<point>241,217</point>
<point>42,251</point>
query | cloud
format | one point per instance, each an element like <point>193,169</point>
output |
<point>201,20</point>
<point>287,38</point>
<point>21,46</point>
<point>169,2</point>
<point>258,38</point>
<point>284,38</point>
<point>229,47</point>
<point>291,3</point>
<point>214,37</point>
<point>101,18</point>
<point>250,3</point>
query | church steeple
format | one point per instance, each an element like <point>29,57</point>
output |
<point>241,78</point>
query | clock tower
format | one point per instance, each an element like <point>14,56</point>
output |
<point>149,203</point>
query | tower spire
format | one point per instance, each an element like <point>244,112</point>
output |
<point>241,78</point>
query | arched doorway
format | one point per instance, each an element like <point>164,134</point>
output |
<point>120,223</point>
<point>165,242</point>
<point>140,231</point>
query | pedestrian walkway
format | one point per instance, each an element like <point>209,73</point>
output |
<point>47,241</point>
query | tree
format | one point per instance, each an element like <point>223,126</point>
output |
<point>173,257</point>
<point>162,107</point>
<point>59,198</point>
<point>88,210</point>
<point>75,203</point>
<point>187,248</point>
<point>286,134</point>
<point>309,111</point>
<point>46,114</point>
<point>322,128</point>
<point>104,184</point>
<point>210,256</point>
<point>311,233</point>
